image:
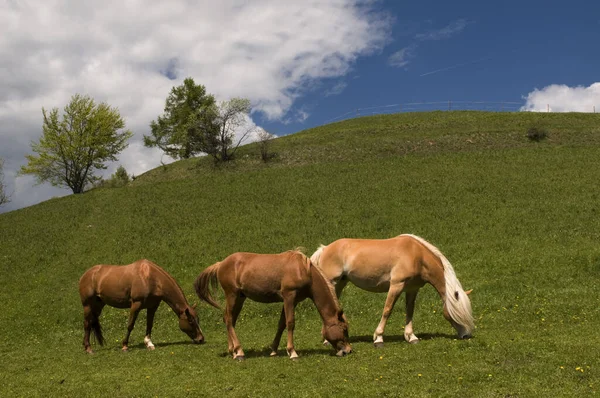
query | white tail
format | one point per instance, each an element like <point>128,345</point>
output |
<point>457,301</point>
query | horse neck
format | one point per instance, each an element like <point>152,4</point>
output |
<point>173,295</point>
<point>323,296</point>
<point>435,277</point>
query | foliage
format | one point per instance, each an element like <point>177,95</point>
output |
<point>232,118</point>
<point>4,197</point>
<point>536,134</point>
<point>533,264</point>
<point>188,119</point>
<point>71,149</point>
<point>264,141</point>
<point>118,179</point>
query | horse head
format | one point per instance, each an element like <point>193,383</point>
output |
<point>188,323</point>
<point>337,335</point>
<point>458,313</point>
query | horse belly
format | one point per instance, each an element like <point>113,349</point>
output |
<point>262,297</point>
<point>117,302</point>
<point>374,285</point>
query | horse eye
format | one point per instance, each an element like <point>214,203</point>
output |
<point>456,295</point>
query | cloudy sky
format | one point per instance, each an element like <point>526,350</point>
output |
<point>301,63</point>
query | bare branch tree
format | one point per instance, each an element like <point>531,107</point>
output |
<point>232,118</point>
<point>4,198</point>
<point>264,141</point>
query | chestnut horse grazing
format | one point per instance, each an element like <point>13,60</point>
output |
<point>401,264</point>
<point>138,286</point>
<point>289,277</point>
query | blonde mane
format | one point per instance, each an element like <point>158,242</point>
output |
<point>458,307</point>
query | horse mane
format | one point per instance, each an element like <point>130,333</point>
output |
<point>327,283</point>
<point>316,257</point>
<point>459,307</point>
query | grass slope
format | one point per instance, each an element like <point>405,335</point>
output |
<point>518,220</point>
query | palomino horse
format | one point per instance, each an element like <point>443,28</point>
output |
<point>138,286</point>
<point>289,277</point>
<point>401,264</point>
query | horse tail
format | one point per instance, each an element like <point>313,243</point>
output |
<point>316,257</point>
<point>206,280</point>
<point>95,325</point>
<point>457,301</point>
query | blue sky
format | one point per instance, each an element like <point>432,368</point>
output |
<point>300,63</point>
<point>506,49</point>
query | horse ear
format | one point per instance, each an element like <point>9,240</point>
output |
<point>467,292</point>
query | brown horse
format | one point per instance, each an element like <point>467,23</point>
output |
<point>138,286</point>
<point>289,277</point>
<point>401,264</point>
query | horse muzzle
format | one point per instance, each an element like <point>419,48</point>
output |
<point>344,351</point>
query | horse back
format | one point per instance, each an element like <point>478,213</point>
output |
<point>118,285</point>
<point>262,277</point>
<point>372,263</point>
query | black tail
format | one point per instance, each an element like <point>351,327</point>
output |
<point>95,325</point>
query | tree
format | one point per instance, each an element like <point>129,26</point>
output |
<point>71,149</point>
<point>232,117</point>
<point>187,120</point>
<point>264,141</point>
<point>4,198</point>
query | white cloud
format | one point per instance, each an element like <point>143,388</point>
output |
<point>402,57</point>
<point>130,53</point>
<point>562,98</point>
<point>337,89</point>
<point>444,33</point>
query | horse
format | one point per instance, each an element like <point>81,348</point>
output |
<point>404,263</point>
<point>138,286</point>
<point>266,278</point>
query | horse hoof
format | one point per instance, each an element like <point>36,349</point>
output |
<point>150,347</point>
<point>273,354</point>
<point>295,359</point>
<point>379,344</point>
<point>240,358</point>
<point>414,341</point>
<point>89,351</point>
<point>125,349</point>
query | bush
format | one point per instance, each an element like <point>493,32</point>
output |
<point>536,134</point>
<point>118,179</point>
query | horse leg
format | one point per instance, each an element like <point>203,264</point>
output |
<point>280,329</point>
<point>232,310</point>
<point>136,306</point>
<point>393,294</point>
<point>289,304</point>
<point>149,323</point>
<point>88,318</point>
<point>410,309</point>
<point>91,321</point>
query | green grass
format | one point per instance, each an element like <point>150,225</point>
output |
<point>519,221</point>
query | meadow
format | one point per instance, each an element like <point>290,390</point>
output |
<point>519,221</point>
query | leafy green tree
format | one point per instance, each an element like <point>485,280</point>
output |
<point>232,117</point>
<point>4,198</point>
<point>187,120</point>
<point>72,148</point>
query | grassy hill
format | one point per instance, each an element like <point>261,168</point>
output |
<point>519,221</point>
